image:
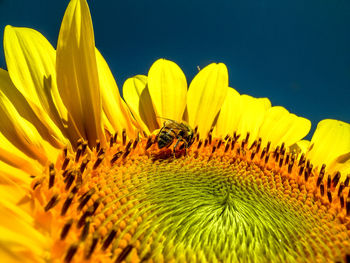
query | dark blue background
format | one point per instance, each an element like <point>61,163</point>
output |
<point>296,53</point>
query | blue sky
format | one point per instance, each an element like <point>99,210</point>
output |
<point>296,53</point>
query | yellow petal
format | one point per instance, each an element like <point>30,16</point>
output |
<point>252,116</point>
<point>330,141</point>
<point>136,95</point>
<point>168,88</point>
<point>206,95</point>
<point>114,107</point>
<point>280,126</point>
<point>230,114</point>
<point>30,60</point>
<point>77,74</point>
<point>22,134</point>
<point>19,240</point>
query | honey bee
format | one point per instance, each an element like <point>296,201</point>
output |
<point>173,130</point>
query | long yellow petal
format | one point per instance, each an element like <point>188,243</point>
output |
<point>22,134</point>
<point>30,59</point>
<point>77,74</point>
<point>26,245</point>
<point>114,107</point>
<point>167,86</point>
<point>281,126</point>
<point>252,117</point>
<point>230,114</point>
<point>330,141</point>
<point>206,95</point>
<point>136,95</point>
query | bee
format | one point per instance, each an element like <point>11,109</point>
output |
<point>172,131</point>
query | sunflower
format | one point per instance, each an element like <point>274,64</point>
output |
<point>84,176</point>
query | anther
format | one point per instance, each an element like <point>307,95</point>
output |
<point>124,136</point>
<point>341,188</point>
<point>200,142</point>
<point>197,137</point>
<point>83,217</point>
<point>329,195</point>
<point>263,153</point>
<point>149,142</point>
<point>253,145</point>
<point>301,160</point>
<point>36,184</point>
<point>84,164</point>
<point>65,163</point>
<point>258,145</point>
<point>336,179</point>
<point>346,183</point>
<point>65,152</point>
<point>95,205</point>
<point>213,149</point>
<point>116,157</point>
<point>322,189</point>
<point>247,138</point>
<point>111,141</point>
<point>70,180</point>
<point>84,146</point>
<point>85,198</point>
<point>79,142</point>
<point>268,146</point>
<point>206,142</point>
<point>219,144</point>
<point>100,152</point>
<point>267,158</point>
<point>125,154</point>
<point>109,239</point>
<point>301,170</point>
<point>227,146</point>
<point>252,155</point>
<point>322,171</point>
<point>79,179</point>
<point>92,247</point>
<point>276,153</point>
<point>78,153</point>
<point>67,203</point>
<point>51,178</point>
<point>122,256</point>
<point>287,159</point>
<point>348,206</point>
<point>98,162</point>
<point>306,175</point>
<point>329,181</point>
<point>70,253</point>
<point>115,137</point>
<point>281,161</point>
<point>290,165</point>
<point>196,129</point>
<point>226,137</point>
<point>210,135</point>
<point>319,179</point>
<point>85,231</point>
<point>52,202</point>
<point>98,145</point>
<point>66,229</point>
<point>135,143</point>
<point>341,198</point>
<point>127,147</point>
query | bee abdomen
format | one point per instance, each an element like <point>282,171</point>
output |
<point>164,140</point>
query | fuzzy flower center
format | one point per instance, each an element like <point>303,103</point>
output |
<point>218,201</point>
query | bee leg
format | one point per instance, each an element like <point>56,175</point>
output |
<point>180,139</point>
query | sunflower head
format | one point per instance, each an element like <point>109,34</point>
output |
<point>170,173</point>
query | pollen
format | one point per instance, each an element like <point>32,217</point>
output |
<point>220,200</point>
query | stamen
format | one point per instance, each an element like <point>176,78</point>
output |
<point>66,229</point>
<point>65,163</point>
<point>67,203</point>
<point>78,153</point>
<point>53,201</point>
<point>51,176</point>
<point>92,247</point>
<point>124,254</point>
<point>85,198</point>
<point>109,239</point>
<point>336,179</point>
<point>124,136</point>
<point>85,231</point>
<point>116,157</point>
<point>71,252</point>
<point>98,162</point>
<point>329,195</point>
